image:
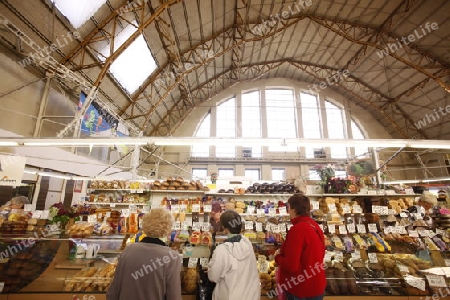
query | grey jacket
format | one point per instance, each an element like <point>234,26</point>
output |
<point>147,271</point>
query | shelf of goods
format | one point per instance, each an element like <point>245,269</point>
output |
<point>375,246</point>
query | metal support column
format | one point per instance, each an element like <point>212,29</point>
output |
<point>42,106</point>
<point>376,162</point>
<point>135,161</point>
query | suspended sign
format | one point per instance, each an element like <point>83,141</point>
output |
<point>11,169</point>
<point>98,122</point>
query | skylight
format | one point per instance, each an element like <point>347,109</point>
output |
<point>78,12</point>
<point>134,64</point>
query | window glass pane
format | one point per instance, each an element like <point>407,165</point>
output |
<point>310,120</point>
<point>335,124</point>
<point>313,175</point>
<point>199,173</point>
<point>226,119</point>
<point>280,110</point>
<point>203,131</point>
<point>251,115</point>
<point>340,174</point>
<point>278,174</point>
<point>225,151</point>
<point>79,11</point>
<point>225,174</point>
<point>358,135</point>
<point>253,174</point>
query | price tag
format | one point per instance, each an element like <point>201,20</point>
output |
<point>390,192</point>
<point>37,214</point>
<point>418,216</point>
<point>248,225</point>
<point>409,191</point>
<point>205,226</point>
<point>2,285</point>
<point>361,228</point>
<point>436,281</point>
<point>342,229</point>
<point>413,233</point>
<point>356,255</point>
<point>399,230</point>
<point>351,228</point>
<point>332,207</point>
<point>416,282</point>
<point>140,191</point>
<point>276,228</point>
<point>175,208</point>
<point>176,225</point>
<point>373,259</point>
<point>272,212</point>
<point>328,256</point>
<point>357,209</point>
<point>371,192</point>
<point>321,226</point>
<point>196,226</point>
<point>346,209</point>
<point>288,226</point>
<point>440,231</point>
<point>339,256</point>
<point>145,209</point>
<point>132,191</point>
<point>204,261</point>
<point>207,208</point>
<point>447,262</point>
<point>183,207</point>
<point>251,209</point>
<point>331,228</point>
<point>403,215</point>
<point>45,214</point>
<point>403,268</point>
<point>125,212</point>
<point>431,233</point>
<point>315,204</point>
<point>133,208</point>
<point>260,212</point>
<point>195,207</point>
<point>372,227</point>
<point>184,226</point>
<point>112,205</point>
<point>391,211</point>
<point>282,227</point>
<point>108,214</point>
<point>282,210</point>
<point>192,263</point>
<point>388,229</point>
<point>259,227</point>
<point>264,267</point>
<point>376,209</point>
<point>92,219</point>
<point>28,207</point>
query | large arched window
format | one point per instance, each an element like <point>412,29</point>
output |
<point>275,113</point>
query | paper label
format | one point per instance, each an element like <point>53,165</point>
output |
<point>192,263</point>
<point>436,280</point>
<point>440,231</point>
<point>372,227</point>
<point>207,208</point>
<point>133,208</point>
<point>342,229</point>
<point>403,268</point>
<point>400,230</point>
<point>125,212</point>
<point>447,262</point>
<point>357,209</point>
<point>388,229</point>
<point>260,212</point>
<point>259,227</point>
<point>373,258</point>
<point>346,209</point>
<point>248,225</point>
<point>315,204</point>
<point>361,228</point>
<point>92,219</point>
<point>175,208</point>
<point>404,215</point>
<point>45,214</point>
<point>331,228</point>
<point>205,226</point>
<point>108,214</point>
<point>204,261</point>
<point>332,208</point>
<point>321,226</point>
<point>356,255</point>
<point>183,207</point>
<point>251,209</point>
<point>140,191</point>
<point>196,226</point>
<point>328,255</point>
<point>176,225</point>
<point>413,233</point>
<point>288,226</point>
<point>390,192</point>
<point>145,209</point>
<point>371,192</point>
<point>2,285</point>
<point>416,282</point>
<point>282,210</point>
<point>339,256</point>
<point>409,191</point>
<point>272,212</point>
<point>28,207</point>
<point>264,267</point>
<point>195,207</point>
<point>37,214</point>
<point>351,228</point>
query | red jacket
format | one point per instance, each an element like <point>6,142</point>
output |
<point>302,269</point>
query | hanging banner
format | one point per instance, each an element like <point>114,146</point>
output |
<point>11,169</point>
<point>98,122</point>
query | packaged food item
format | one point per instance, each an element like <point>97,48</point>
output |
<point>195,237</point>
<point>122,226</point>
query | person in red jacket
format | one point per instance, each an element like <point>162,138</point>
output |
<point>301,257</point>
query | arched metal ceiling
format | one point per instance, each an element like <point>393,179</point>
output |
<point>311,44</point>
